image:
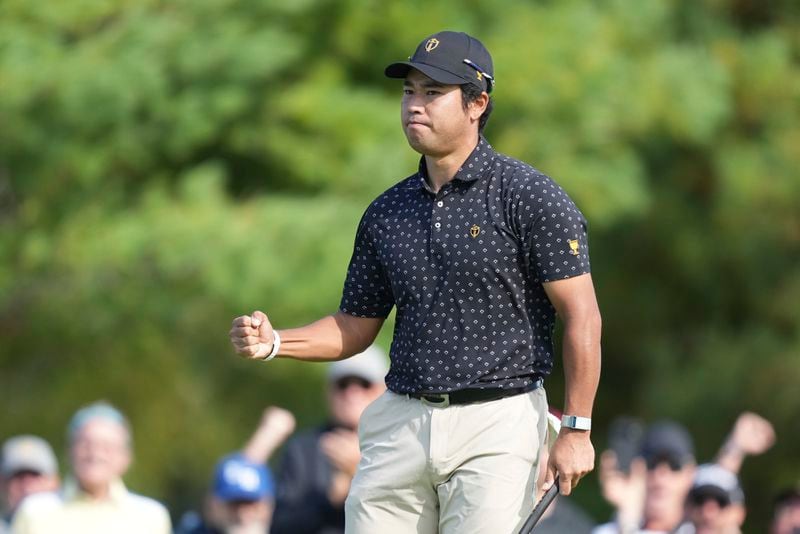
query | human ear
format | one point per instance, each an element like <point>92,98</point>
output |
<point>478,106</point>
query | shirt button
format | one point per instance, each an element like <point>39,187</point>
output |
<point>438,225</point>
<point>440,203</point>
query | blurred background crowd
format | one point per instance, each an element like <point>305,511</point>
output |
<point>649,475</point>
<point>165,166</point>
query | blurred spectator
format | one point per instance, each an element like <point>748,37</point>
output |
<point>651,497</point>
<point>275,426</point>
<point>751,435</point>
<point>318,465</point>
<point>787,512</point>
<point>28,466</point>
<point>716,501</point>
<point>242,495</point>
<point>240,502</point>
<point>94,500</point>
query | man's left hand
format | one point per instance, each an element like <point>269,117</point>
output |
<point>571,457</point>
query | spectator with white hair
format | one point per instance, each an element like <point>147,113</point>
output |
<point>94,499</point>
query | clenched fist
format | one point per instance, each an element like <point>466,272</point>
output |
<point>252,335</point>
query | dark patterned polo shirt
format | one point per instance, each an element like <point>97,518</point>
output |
<point>465,268</point>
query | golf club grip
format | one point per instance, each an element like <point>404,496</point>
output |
<point>539,509</point>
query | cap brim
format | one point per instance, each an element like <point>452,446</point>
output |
<point>716,492</point>
<point>401,68</point>
<point>25,467</point>
<point>674,456</point>
<point>234,495</point>
<point>371,377</point>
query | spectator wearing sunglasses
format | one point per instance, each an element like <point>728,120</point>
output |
<point>654,494</point>
<point>716,501</point>
<point>650,498</point>
<point>317,466</point>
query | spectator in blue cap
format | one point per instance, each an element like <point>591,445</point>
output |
<point>242,494</point>
<point>240,501</point>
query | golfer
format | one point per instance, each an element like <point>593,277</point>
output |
<point>478,252</point>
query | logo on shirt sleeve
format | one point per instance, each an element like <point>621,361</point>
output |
<point>573,246</point>
<point>474,230</point>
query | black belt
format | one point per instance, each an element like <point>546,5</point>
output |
<point>468,396</point>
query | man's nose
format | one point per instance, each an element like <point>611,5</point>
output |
<point>414,104</point>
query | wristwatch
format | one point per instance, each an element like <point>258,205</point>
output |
<point>576,422</point>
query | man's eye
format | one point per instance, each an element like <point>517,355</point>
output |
<point>432,92</point>
<point>407,91</point>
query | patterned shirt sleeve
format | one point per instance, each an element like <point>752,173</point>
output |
<point>367,291</point>
<point>557,235</point>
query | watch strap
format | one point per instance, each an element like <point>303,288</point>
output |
<point>576,422</point>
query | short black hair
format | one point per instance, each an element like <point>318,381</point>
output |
<point>470,93</point>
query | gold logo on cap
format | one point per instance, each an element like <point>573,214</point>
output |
<point>474,230</point>
<point>573,246</point>
<point>431,44</point>
<point>480,75</point>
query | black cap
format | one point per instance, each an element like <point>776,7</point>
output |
<point>451,58</point>
<point>667,441</point>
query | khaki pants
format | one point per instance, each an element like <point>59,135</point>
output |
<point>461,469</point>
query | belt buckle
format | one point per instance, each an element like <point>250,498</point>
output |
<point>444,403</point>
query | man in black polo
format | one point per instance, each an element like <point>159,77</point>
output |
<point>478,252</point>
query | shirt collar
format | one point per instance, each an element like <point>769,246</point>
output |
<point>476,166</point>
<point>73,492</point>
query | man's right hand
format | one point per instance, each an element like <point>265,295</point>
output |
<point>252,335</point>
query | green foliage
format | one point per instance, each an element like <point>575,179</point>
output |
<point>167,166</point>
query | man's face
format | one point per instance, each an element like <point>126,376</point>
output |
<point>711,515</point>
<point>433,116</point>
<point>23,483</point>
<point>349,396</point>
<point>667,487</point>
<point>100,454</point>
<point>240,517</point>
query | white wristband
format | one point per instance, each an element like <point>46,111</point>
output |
<point>276,346</point>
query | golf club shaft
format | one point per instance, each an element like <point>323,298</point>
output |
<point>539,509</point>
